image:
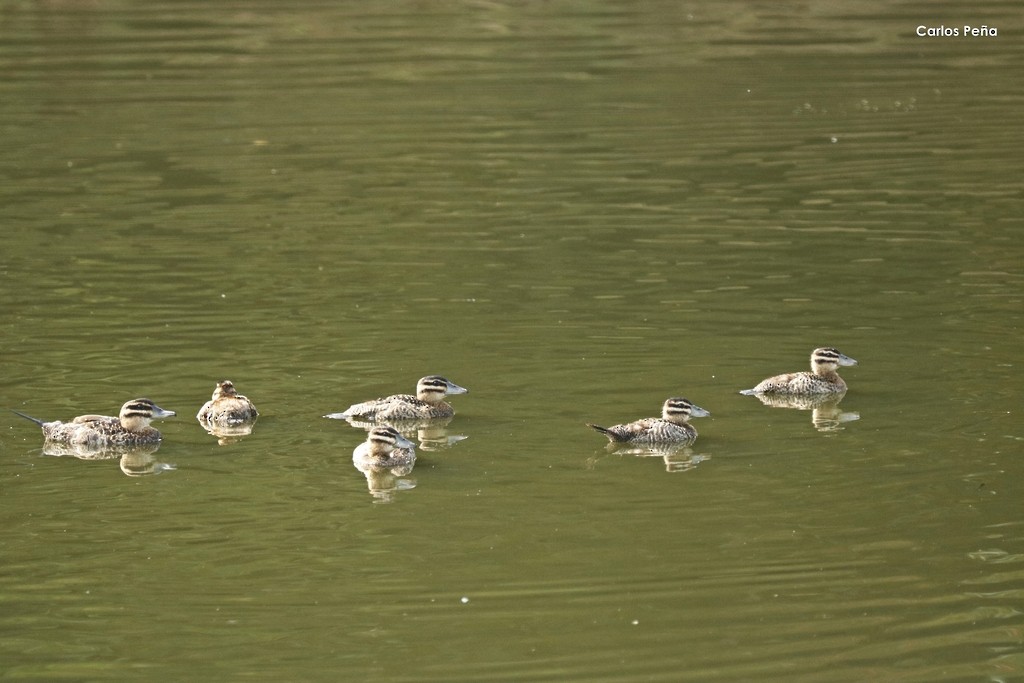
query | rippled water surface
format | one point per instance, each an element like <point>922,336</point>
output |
<point>575,210</point>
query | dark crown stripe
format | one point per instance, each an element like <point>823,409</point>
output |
<point>384,435</point>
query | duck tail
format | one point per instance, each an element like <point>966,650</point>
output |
<point>29,417</point>
<point>604,430</point>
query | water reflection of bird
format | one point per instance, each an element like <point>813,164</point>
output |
<point>226,407</point>
<point>141,462</point>
<point>431,434</point>
<point>677,457</point>
<point>825,413</point>
<point>135,459</point>
<point>823,378</point>
<point>672,427</point>
<point>428,403</point>
<point>98,432</point>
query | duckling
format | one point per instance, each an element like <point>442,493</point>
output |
<point>385,450</point>
<point>823,378</point>
<point>672,427</point>
<point>96,432</point>
<point>227,407</point>
<point>428,403</point>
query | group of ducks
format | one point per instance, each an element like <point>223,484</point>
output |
<point>96,434</point>
<point>386,449</point>
<point>673,428</point>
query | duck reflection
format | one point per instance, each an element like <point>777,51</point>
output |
<point>386,458</point>
<point>431,434</point>
<point>142,463</point>
<point>228,433</point>
<point>135,461</point>
<point>825,413</point>
<point>677,457</point>
<point>383,486</point>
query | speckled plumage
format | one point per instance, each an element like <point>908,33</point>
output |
<point>823,378</point>
<point>227,407</point>
<point>672,427</point>
<point>428,403</point>
<point>385,450</point>
<point>97,432</point>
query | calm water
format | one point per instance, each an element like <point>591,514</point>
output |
<point>575,210</point>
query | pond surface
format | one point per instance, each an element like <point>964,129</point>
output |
<point>575,210</point>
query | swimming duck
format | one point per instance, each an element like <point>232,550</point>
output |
<point>672,427</point>
<point>227,407</point>
<point>385,450</point>
<point>428,403</point>
<point>823,378</point>
<point>95,432</point>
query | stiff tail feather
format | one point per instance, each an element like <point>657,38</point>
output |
<point>604,430</point>
<point>29,417</point>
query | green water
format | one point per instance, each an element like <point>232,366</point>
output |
<point>575,211</point>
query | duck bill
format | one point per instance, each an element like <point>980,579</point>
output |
<point>453,388</point>
<point>846,361</point>
<point>697,411</point>
<point>159,413</point>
